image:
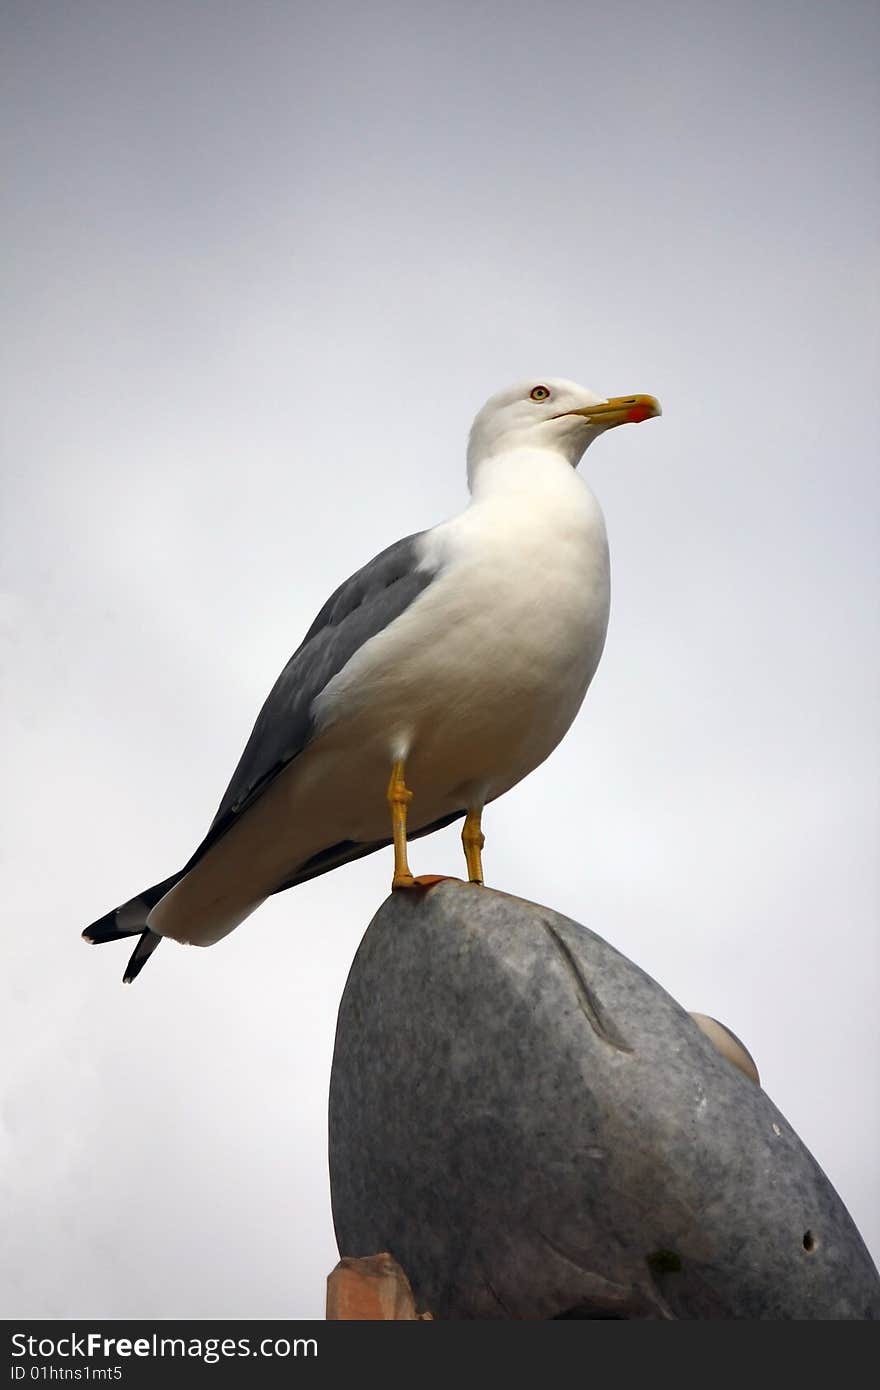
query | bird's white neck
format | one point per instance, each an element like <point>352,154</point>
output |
<point>529,508</point>
<point>516,472</point>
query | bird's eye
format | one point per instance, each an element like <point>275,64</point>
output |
<point>540,393</point>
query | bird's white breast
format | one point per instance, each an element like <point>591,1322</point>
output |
<point>481,677</point>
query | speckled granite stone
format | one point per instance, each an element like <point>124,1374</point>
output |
<point>535,1129</point>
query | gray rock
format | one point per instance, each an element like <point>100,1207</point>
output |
<point>535,1129</point>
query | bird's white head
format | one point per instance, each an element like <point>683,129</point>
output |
<point>547,413</point>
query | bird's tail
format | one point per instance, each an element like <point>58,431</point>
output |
<point>130,919</point>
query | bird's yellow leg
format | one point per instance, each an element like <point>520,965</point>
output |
<point>398,799</point>
<point>473,840</point>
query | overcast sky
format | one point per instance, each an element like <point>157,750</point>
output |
<point>268,259</point>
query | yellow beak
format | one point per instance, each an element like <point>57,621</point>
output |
<point>620,410</point>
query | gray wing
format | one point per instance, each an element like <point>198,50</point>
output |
<point>360,608</point>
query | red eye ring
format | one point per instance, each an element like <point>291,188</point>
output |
<point>540,393</point>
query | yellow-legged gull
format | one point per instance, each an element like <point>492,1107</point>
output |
<point>452,665</point>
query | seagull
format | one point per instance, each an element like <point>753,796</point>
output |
<point>431,682</point>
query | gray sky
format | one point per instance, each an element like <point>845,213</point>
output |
<point>268,260</point>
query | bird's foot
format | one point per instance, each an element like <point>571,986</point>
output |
<point>402,881</point>
<point>421,880</point>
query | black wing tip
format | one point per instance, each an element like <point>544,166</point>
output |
<point>107,929</point>
<point>147,944</point>
<point>130,918</point>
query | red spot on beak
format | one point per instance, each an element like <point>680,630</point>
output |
<point>638,414</point>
